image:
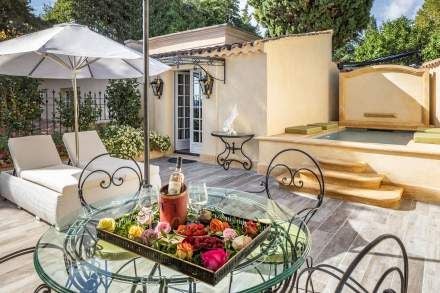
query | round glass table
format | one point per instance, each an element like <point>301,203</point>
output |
<point>76,261</point>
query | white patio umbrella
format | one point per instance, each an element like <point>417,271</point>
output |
<point>72,51</point>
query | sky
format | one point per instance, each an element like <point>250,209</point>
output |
<point>382,9</point>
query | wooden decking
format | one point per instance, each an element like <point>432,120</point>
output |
<point>339,231</point>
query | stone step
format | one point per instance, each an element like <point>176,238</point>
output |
<point>343,165</point>
<point>387,196</point>
<point>351,179</point>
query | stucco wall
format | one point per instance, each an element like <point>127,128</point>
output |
<point>435,96</point>
<point>385,96</point>
<point>298,80</point>
<point>245,86</point>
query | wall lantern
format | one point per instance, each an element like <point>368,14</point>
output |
<point>207,83</point>
<point>157,86</point>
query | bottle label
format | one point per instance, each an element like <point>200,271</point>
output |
<point>174,187</point>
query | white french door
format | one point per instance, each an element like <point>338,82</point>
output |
<point>196,125</point>
<point>188,112</point>
<point>182,110</point>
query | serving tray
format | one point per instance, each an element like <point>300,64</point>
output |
<point>185,267</point>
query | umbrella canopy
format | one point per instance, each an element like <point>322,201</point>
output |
<point>58,51</point>
<point>72,51</point>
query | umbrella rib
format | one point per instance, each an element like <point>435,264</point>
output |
<point>132,66</point>
<point>59,61</point>
<point>36,65</point>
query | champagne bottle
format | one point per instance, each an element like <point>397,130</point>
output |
<point>175,183</point>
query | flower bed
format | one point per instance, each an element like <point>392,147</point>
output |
<point>206,248</point>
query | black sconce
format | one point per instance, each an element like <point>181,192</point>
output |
<point>207,83</point>
<point>157,86</point>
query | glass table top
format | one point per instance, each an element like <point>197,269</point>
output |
<point>75,261</point>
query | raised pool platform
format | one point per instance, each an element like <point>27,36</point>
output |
<point>413,166</point>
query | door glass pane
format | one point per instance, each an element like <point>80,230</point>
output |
<point>186,133</point>
<point>180,134</point>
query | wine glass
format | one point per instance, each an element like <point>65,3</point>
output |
<point>198,195</point>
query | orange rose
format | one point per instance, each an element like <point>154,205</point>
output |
<point>216,225</point>
<point>226,225</point>
<point>184,251</point>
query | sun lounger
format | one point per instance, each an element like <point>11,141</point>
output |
<point>91,146</point>
<point>46,187</point>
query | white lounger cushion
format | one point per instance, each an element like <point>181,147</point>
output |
<point>33,152</point>
<point>90,145</point>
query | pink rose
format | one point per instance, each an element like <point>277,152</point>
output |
<point>163,227</point>
<point>213,259</point>
<point>229,234</point>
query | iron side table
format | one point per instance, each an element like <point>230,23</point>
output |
<point>230,146</point>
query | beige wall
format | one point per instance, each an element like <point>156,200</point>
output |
<point>435,96</point>
<point>245,86</point>
<point>334,93</point>
<point>369,94</point>
<point>298,81</point>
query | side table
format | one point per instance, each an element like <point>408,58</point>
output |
<point>230,141</point>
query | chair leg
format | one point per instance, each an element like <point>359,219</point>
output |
<point>309,264</point>
<point>43,288</point>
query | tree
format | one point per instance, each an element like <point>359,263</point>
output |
<point>20,104</point>
<point>432,48</point>
<point>393,37</point>
<point>124,102</point>
<point>346,17</point>
<point>428,17</point>
<point>428,24</point>
<point>16,18</point>
<point>122,19</point>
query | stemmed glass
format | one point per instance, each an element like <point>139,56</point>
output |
<point>198,195</point>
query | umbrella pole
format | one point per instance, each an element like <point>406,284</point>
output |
<point>146,16</point>
<point>75,115</point>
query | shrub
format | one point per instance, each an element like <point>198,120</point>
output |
<point>125,141</point>
<point>5,159</point>
<point>161,143</point>
<point>88,112</point>
<point>124,102</point>
<point>128,141</point>
<point>20,104</point>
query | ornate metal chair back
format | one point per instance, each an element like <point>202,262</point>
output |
<point>290,176</point>
<point>107,177</point>
<point>345,279</point>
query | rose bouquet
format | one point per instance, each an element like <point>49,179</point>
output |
<point>209,239</point>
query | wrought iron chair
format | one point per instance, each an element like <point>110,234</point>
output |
<point>346,281</point>
<point>110,177</point>
<point>291,177</point>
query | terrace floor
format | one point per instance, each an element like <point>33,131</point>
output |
<point>339,231</point>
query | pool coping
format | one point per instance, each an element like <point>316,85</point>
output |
<point>413,149</point>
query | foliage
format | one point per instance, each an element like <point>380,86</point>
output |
<point>161,143</point>
<point>432,48</point>
<point>122,19</point>
<point>346,17</point>
<point>428,17</point>
<point>88,112</point>
<point>129,141</point>
<point>20,104</point>
<point>124,102</point>
<point>126,141</point>
<point>16,18</point>
<point>393,37</point>
<point>5,159</point>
